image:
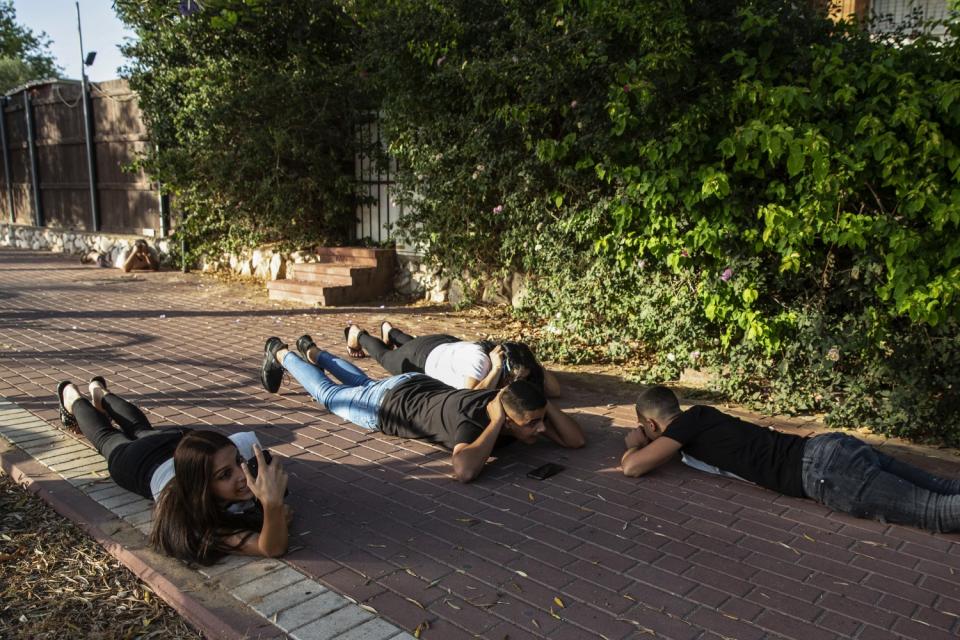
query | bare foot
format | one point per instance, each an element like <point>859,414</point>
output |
<point>352,334</point>
<point>385,329</point>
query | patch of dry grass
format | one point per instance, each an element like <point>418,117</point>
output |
<point>56,582</point>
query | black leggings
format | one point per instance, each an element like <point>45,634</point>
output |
<point>411,353</point>
<point>133,453</point>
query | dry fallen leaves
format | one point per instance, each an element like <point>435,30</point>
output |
<point>55,582</point>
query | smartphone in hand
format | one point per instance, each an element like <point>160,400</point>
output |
<point>253,465</point>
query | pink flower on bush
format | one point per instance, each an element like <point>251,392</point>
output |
<point>573,104</point>
<point>498,209</point>
<point>440,60</point>
<point>727,274</point>
<point>685,253</point>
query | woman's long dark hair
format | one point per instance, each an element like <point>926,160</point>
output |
<point>189,523</point>
<point>519,363</point>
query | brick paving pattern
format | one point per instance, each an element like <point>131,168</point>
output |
<point>587,553</point>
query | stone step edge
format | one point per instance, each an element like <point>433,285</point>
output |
<point>245,579</point>
<point>312,287</point>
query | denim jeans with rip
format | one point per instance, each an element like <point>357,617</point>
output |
<point>846,474</point>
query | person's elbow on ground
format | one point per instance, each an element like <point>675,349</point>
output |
<point>634,465</point>
<point>576,441</point>
<point>633,470</point>
<point>276,550</point>
<point>464,468</point>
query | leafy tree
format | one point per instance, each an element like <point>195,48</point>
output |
<point>23,53</point>
<point>252,106</point>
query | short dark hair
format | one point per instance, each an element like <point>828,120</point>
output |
<point>657,401</point>
<point>522,397</point>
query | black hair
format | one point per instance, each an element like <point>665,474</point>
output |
<point>657,402</point>
<point>522,397</point>
<point>519,363</point>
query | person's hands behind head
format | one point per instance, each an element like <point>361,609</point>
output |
<point>496,357</point>
<point>271,482</point>
<point>498,416</point>
<point>636,438</point>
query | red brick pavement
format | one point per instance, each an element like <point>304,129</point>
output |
<point>588,553</point>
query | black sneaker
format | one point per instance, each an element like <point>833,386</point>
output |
<point>271,371</point>
<point>304,344</point>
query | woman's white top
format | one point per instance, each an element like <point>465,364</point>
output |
<point>164,473</point>
<point>454,362</point>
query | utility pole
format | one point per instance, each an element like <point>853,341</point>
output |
<point>86,61</point>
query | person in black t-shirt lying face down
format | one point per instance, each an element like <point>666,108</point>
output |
<point>835,469</point>
<point>413,405</point>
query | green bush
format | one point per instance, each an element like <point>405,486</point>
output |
<point>737,185</point>
<point>252,106</point>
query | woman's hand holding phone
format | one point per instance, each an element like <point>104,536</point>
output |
<point>270,483</point>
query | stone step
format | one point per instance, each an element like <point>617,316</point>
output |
<point>359,256</point>
<point>325,273</point>
<point>311,292</point>
<point>343,275</point>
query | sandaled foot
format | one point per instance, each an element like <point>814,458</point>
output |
<point>351,334</point>
<point>304,344</point>
<point>98,389</point>
<point>385,329</point>
<point>66,418</point>
<point>271,371</point>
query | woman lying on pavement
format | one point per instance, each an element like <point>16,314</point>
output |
<point>455,362</point>
<point>209,502</point>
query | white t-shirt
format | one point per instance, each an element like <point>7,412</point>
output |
<point>164,473</point>
<point>454,362</point>
<point>696,463</point>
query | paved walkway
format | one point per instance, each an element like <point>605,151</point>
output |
<point>587,553</point>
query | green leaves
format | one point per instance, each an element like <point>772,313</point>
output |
<point>253,108</point>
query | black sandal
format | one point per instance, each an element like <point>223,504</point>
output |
<point>66,418</point>
<point>355,352</point>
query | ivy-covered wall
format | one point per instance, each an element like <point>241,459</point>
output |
<point>742,186</point>
<point>738,185</point>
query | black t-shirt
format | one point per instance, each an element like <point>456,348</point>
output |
<point>423,407</point>
<point>766,457</point>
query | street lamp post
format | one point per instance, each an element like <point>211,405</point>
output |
<point>88,126</point>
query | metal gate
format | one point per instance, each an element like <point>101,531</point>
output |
<point>377,211</point>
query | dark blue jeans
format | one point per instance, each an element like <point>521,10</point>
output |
<point>847,474</point>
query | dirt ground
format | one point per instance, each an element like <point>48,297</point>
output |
<point>56,582</point>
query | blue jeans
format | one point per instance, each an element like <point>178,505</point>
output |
<point>846,474</point>
<point>357,399</point>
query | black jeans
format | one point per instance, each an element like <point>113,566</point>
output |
<point>135,451</point>
<point>410,356</point>
<point>847,474</point>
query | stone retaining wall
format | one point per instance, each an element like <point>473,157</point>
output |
<point>75,242</point>
<point>414,277</point>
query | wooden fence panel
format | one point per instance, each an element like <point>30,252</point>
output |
<point>128,201</point>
